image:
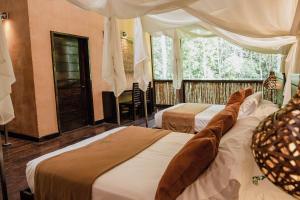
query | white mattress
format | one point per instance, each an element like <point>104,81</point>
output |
<point>201,119</point>
<point>228,177</point>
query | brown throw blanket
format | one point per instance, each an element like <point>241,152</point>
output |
<point>70,176</point>
<point>182,118</point>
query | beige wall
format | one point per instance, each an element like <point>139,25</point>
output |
<point>28,33</point>
<point>61,16</point>
<point>18,39</point>
<point>127,25</point>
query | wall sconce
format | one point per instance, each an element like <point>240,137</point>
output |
<point>3,15</point>
<point>123,34</point>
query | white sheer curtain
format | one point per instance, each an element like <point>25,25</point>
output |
<point>177,62</point>
<point>126,9</point>
<point>255,18</point>
<point>7,78</point>
<point>142,68</point>
<point>112,64</point>
<point>264,44</point>
<point>268,25</point>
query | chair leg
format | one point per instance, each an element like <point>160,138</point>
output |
<point>134,113</point>
<point>142,111</point>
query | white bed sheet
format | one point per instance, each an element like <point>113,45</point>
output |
<point>229,176</point>
<point>265,190</point>
<point>137,178</point>
<point>201,119</point>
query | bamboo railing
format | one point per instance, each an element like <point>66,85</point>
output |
<point>201,91</point>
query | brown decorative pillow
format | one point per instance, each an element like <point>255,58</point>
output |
<point>196,155</point>
<point>248,91</point>
<point>228,116</point>
<point>236,97</point>
<point>188,164</point>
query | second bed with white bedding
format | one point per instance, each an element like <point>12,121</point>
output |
<point>201,119</point>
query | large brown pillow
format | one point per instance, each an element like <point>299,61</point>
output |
<point>248,91</point>
<point>236,97</point>
<point>240,96</point>
<point>228,116</point>
<point>196,155</point>
<point>188,164</point>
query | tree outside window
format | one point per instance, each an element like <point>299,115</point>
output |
<point>212,58</point>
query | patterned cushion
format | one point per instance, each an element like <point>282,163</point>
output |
<point>276,147</point>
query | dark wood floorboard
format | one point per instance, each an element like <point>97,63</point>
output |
<point>22,151</point>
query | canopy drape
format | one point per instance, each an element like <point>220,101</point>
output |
<point>174,20</point>
<point>142,68</point>
<point>177,61</point>
<point>7,78</point>
<point>112,62</point>
<point>126,9</point>
<point>269,26</point>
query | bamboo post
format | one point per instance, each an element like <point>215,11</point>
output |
<point>2,174</point>
<point>118,111</point>
<point>6,143</point>
<point>145,108</point>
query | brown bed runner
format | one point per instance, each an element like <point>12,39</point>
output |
<point>182,118</point>
<point>70,176</point>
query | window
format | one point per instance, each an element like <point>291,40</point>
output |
<point>212,58</point>
<point>162,57</point>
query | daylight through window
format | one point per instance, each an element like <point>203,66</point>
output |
<point>212,58</point>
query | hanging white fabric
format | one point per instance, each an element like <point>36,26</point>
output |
<point>291,66</point>
<point>186,24</point>
<point>255,18</point>
<point>269,20</point>
<point>177,68</point>
<point>7,78</point>
<point>112,61</point>
<point>142,68</point>
<point>177,62</point>
<point>126,9</point>
<point>167,22</point>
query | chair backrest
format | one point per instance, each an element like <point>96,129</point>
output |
<point>136,94</point>
<point>148,92</point>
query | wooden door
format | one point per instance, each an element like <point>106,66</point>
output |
<point>72,81</point>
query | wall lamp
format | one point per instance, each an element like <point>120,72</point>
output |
<point>123,34</point>
<point>3,15</point>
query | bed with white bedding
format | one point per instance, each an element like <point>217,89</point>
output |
<point>201,119</point>
<point>248,108</point>
<point>228,177</point>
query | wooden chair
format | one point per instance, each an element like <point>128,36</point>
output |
<point>148,99</point>
<point>133,105</point>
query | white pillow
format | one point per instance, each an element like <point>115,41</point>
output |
<point>250,104</point>
<point>264,109</point>
<point>231,168</point>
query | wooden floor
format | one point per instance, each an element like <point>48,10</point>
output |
<point>22,151</point>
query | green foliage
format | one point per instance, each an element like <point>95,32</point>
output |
<point>162,53</point>
<point>212,58</point>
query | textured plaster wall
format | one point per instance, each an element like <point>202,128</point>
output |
<point>61,16</point>
<point>23,92</point>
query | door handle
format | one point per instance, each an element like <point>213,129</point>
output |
<point>82,86</point>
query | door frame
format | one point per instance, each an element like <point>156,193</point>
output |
<point>89,88</point>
